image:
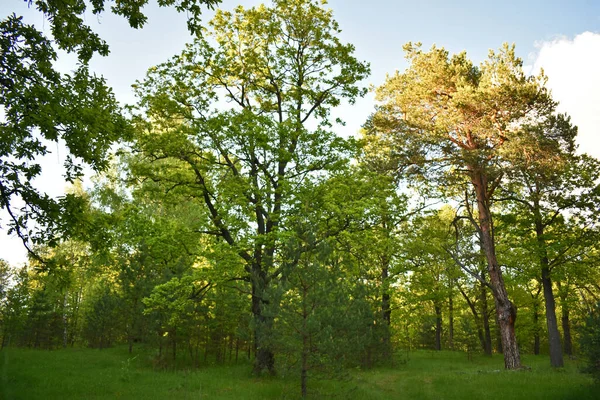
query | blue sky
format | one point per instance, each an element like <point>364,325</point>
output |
<point>548,34</point>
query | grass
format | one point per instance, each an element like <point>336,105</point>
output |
<point>115,374</point>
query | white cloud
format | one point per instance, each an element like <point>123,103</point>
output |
<point>573,70</point>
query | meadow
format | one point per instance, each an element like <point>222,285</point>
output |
<point>27,374</point>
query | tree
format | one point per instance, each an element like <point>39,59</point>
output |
<point>453,122</point>
<point>433,271</point>
<point>229,125</point>
<point>42,106</point>
<point>546,187</point>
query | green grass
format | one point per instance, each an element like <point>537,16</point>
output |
<point>114,374</point>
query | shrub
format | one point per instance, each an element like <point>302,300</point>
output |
<point>590,342</point>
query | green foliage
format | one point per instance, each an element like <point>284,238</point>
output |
<point>590,342</point>
<point>102,317</point>
<point>71,33</point>
<point>241,127</point>
<point>43,106</point>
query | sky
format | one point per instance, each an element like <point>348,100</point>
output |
<point>561,37</point>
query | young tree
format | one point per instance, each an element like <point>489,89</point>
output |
<point>242,125</point>
<point>455,122</point>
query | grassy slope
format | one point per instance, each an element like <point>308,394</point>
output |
<point>106,374</point>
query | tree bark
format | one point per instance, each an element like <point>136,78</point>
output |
<point>264,357</point>
<point>536,328</point>
<point>65,322</point>
<point>556,355</point>
<point>484,340</point>
<point>386,308</point>
<point>505,309</point>
<point>566,325</point>
<point>485,318</point>
<point>305,345</point>
<point>438,327</point>
<point>450,320</point>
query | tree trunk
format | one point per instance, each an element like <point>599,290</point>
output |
<point>483,339</point>
<point>386,308</point>
<point>536,328</point>
<point>505,309</point>
<point>498,335</point>
<point>566,325</point>
<point>305,345</point>
<point>556,355</point>
<point>438,327</point>
<point>174,336</point>
<point>450,321</point>
<point>65,322</point>
<point>264,357</point>
<point>485,317</point>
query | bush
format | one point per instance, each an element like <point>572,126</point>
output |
<point>590,342</point>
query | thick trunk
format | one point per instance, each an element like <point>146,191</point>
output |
<point>264,357</point>
<point>386,311</point>
<point>505,309</point>
<point>438,327</point>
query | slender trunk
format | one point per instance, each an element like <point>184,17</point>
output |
<point>305,345</point>
<point>174,344</point>
<point>536,328</point>
<point>160,345</point>
<point>566,325</point>
<point>75,322</point>
<point>498,335</point>
<point>237,349</point>
<point>450,321</point>
<point>65,322</point>
<point>478,321</point>
<point>438,327</point>
<point>485,318</point>
<point>386,309</point>
<point>505,309</point>
<point>556,355</point>
<point>303,373</point>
